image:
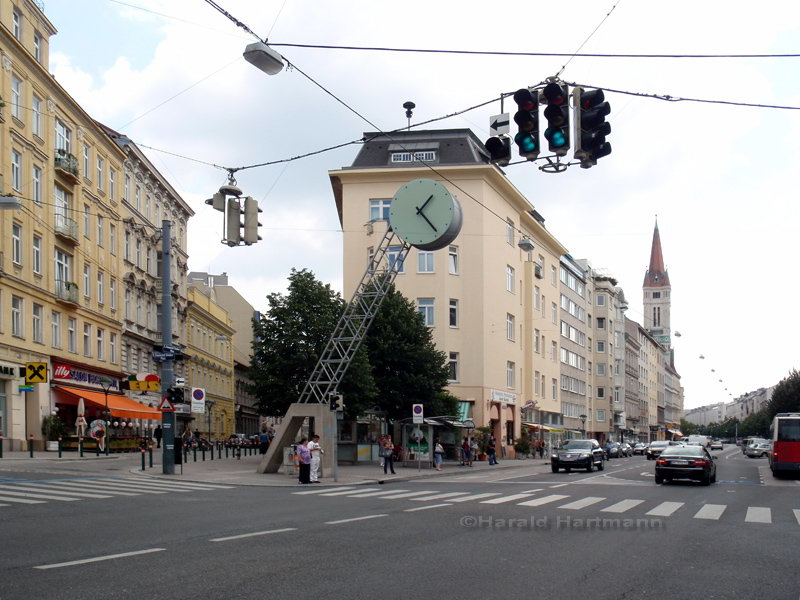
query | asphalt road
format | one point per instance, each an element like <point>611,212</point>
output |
<point>500,534</point>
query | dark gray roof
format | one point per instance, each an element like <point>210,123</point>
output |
<point>450,147</point>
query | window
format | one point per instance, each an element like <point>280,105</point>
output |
<point>601,416</point>
<point>112,238</point>
<point>537,298</point>
<point>553,350</point>
<point>510,327</point>
<point>138,198</point>
<point>87,339</point>
<point>601,392</point>
<point>510,368</point>
<point>101,170</point>
<point>16,170</point>
<point>379,209</point>
<point>16,244</point>
<point>536,389</point>
<point>126,191</point>
<point>100,348</point>
<point>601,299</point>
<point>453,312</point>
<point>16,23</point>
<point>16,97</point>
<point>453,259</point>
<point>112,348</point>
<point>424,262</point>
<point>86,172</point>
<point>63,138</point>
<point>601,369</point>
<point>554,312</point>
<point>510,278</point>
<point>87,278</point>
<point>112,292</point>
<point>656,295</point>
<point>396,258</point>
<point>554,388</point>
<point>139,309</point>
<point>536,347</point>
<point>553,276</point>
<point>36,116</point>
<point>87,219</point>
<point>112,184</point>
<point>101,277</point>
<point>600,322</point>
<point>38,327</point>
<point>425,156</point>
<point>63,268</point>
<point>425,306</point>
<point>453,367</point>
<point>138,253</point>
<point>72,343</point>
<point>510,232</point>
<point>127,246</point>
<point>601,346</point>
<point>16,316</point>
<point>147,207</point>
<point>37,46</point>
<point>36,185</point>
<point>127,304</point>
<point>55,328</point>
<point>37,255</point>
<point>100,231</point>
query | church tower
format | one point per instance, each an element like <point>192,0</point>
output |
<point>656,292</point>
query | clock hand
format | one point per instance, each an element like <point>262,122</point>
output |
<point>421,214</point>
<point>421,208</point>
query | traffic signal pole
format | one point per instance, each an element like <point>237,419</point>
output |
<point>167,377</point>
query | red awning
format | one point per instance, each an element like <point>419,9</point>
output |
<point>120,406</point>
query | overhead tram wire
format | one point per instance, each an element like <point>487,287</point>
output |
<point>600,24</point>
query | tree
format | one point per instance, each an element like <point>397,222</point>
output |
<point>785,396</point>
<point>756,424</point>
<point>406,366</point>
<point>688,428</point>
<point>289,339</point>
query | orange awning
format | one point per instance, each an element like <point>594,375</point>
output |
<point>120,406</point>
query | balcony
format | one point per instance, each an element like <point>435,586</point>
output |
<point>66,165</point>
<point>67,292</point>
<point>66,228</point>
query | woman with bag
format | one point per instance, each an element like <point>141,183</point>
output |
<point>438,454</point>
<point>388,455</point>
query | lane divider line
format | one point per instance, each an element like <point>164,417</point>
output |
<point>427,507</point>
<point>84,561</point>
<point>355,519</point>
<point>253,534</point>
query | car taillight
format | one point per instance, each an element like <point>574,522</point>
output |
<point>774,454</point>
<point>661,461</point>
<point>700,463</point>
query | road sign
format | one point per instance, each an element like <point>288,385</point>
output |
<point>416,413</point>
<point>26,388</point>
<point>36,372</point>
<point>198,400</point>
<point>166,405</point>
<point>162,356</point>
<point>180,382</point>
<point>499,124</point>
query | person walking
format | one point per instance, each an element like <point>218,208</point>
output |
<point>466,453</point>
<point>304,461</point>
<point>491,450</point>
<point>316,451</point>
<point>263,441</point>
<point>381,444</point>
<point>541,448</point>
<point>388,455</point>
<point>157,433</point>
<point>438,454</point>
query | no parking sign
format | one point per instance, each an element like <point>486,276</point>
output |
<point>198,400</point>
<point>416,413</point>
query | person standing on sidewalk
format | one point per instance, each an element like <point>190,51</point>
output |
<point>466,453</point>
<point>438,454</point>
<point>491,451</point>
<point>157,433</point>
<point>381,444</point>
<point>263,441</point>
<point>388,455</point>
<point>316,451</point>
<point>304,461</point>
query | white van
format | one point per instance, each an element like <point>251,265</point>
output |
<point>703,440</point>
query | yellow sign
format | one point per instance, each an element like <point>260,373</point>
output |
<point>36,372</point>
<point>144,386</point>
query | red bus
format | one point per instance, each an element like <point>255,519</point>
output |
<point>785,455</point>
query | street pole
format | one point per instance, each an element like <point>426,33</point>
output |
<point>167,377</point>
<point>107,439</point>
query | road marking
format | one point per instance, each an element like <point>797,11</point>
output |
<point>34,488</point>
<point>165,487</point>
<point>510,498</point>
<point>98,559</point>
<point>797,515</point>
<point>474,497</point>
<point>255,533</point>
<point>665,509</point>
<point>621,507</point>
<point>408,494</point>
<point>124,487</point>
<point>439,496</point>
<point>543,500</point>
<point>59,485</point>
<point>582,503</point>
<point>381,493</point>
<point>354,519</point>
<point>191,485</point>
<point>21,500</point>
<point>758,514</point>
<point>711,511</point>
<point>346,492</point>
<point>552,487</point>
<point>40,496</point>
<point>322,490</point>
<point>427,507</point>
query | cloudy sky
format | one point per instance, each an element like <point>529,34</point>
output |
<point>721,178</point>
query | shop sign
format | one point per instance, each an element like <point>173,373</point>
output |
<point>65,371</point>
<point>9,371</point>
<point>500,396</point>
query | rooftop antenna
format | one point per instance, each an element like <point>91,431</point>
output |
<point>409,106</point>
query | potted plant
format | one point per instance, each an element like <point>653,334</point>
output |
<point>481,436</point>
<point>522,447</point>
<point>52,429</point>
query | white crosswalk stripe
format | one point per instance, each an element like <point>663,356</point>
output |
<point>582,503</point>
<point>621,507</point>
<point>474,497</point>
<point>797,515</point>
<point>321,490</point>
<point>711,511</point>
<point>39,496</point>
<point>68,485</point>
<point>41,489</point>
<point>511,498</point>
<point>346,492</point>
<point>373,494</point>
<point>543,500</point>
<point>408,494</point>
<point>758,514</point>
<point>665,509</point>
<point>439,496</point>
<point>192,485</point>
<point>21,500</point>
<point>102,486</point>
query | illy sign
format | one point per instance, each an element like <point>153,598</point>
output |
<point>65,371</point>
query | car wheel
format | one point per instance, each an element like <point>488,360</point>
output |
<point>763,455</point>
<point>568,470</point>
<point>601,466</point>
<point>554,468</point>
<point>706,480</point>
<point>659,480</point>
<point>714,477</point>
<point>590,468</point>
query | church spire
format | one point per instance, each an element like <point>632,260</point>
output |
<point>656,275</point>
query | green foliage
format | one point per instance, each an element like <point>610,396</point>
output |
<point>757,424</point>
<point>785,396</point>
<point>481,436</point>
<point>53,427</point>
<point>688,428</point>
<point>523,446</point>
<point>726,429</point>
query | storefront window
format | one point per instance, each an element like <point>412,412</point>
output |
<point>3,408</point>
<point>346,431</point>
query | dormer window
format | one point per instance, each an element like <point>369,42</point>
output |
<point>407,157</point>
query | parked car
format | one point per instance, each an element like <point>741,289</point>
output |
<point>578,454</point>
<point>752,441</point>
<point>655,449</point>
<point>686,462</point>
<point>627,450</point>
<point>613,450</point>
<point>757,450</point>
<point>640,448</point>
<point>716,445</point>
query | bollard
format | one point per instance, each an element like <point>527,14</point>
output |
<point>142,452</point>
<point>59,447</point>
<point>30,445</point>
<point>203,453</point>
<point>1,446</point>
<point>219,451</point>
<point>194,450</point>
<point>212,451</point>
<point>226,451</point>
<point>150,452</point>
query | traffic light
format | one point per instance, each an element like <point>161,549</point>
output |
<point>591,127</point>
<point>217,201</point>
<point>251,223</point>
<point>557,115</point>
<point>499,149</point>
<point>337,402</point>
<point>175,395</point>
<point>527,119</point>
<point>233,222</point>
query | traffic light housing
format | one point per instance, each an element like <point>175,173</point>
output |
<point>557,115</point>
<point>337,402</point>
<point>175,395</point>
<point>499,149</point>
<point>251,223</point>
<point>591,127</point>
<point>527,120</point>
<point>233,222</point>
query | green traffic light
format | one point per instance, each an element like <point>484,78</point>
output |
<point>556,137</point>
<point>525,142</point>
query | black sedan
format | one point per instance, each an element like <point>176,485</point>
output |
<point>686,462</point>
<point>655,449</point>
<point>578,454</point>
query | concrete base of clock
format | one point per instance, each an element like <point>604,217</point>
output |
<point>324,426</point>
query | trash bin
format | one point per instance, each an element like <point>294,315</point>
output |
<point>288,465</point>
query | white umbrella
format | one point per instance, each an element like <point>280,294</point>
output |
<point>80,422</point>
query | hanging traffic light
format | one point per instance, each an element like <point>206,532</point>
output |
<point>251,223</point>
<point>557,115</point>
<point>499,149</point>
<point>527,119</point>
<point>591,127</point>
<point>233,222</point>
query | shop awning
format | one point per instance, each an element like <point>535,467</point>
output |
<point>537,426</point>
<point>463,410</point>
<point>675,432</point>
<point>120,406</point>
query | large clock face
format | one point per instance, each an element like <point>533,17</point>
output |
<point>424,214</point>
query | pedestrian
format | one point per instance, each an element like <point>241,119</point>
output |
<point>316,451</point>
<point>263,441</point>
<point>438,454</point>
<point>388,455</point>
<point>157,433</point>
<point>381,444</point>
<point>541,448</point>
<point>304,460</point>
<point>466,454</point>
<point>491,450</point>
<point>473,451</point>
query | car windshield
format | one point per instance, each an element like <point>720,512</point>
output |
<point>577,445</point>
<point>658,444</point>
<point>683,451</point>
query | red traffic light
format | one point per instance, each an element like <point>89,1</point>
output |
<point>556,94</point>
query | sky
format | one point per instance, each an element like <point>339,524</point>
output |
<point>720,178</point>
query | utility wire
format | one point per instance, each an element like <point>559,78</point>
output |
<point>233,19</point>
<point>600,24</point>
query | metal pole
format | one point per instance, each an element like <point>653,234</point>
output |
<point>107,437</point>
<point>167,377</point>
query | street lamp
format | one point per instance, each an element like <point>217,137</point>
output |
<point>583,424</point>
<point>106,383</point>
